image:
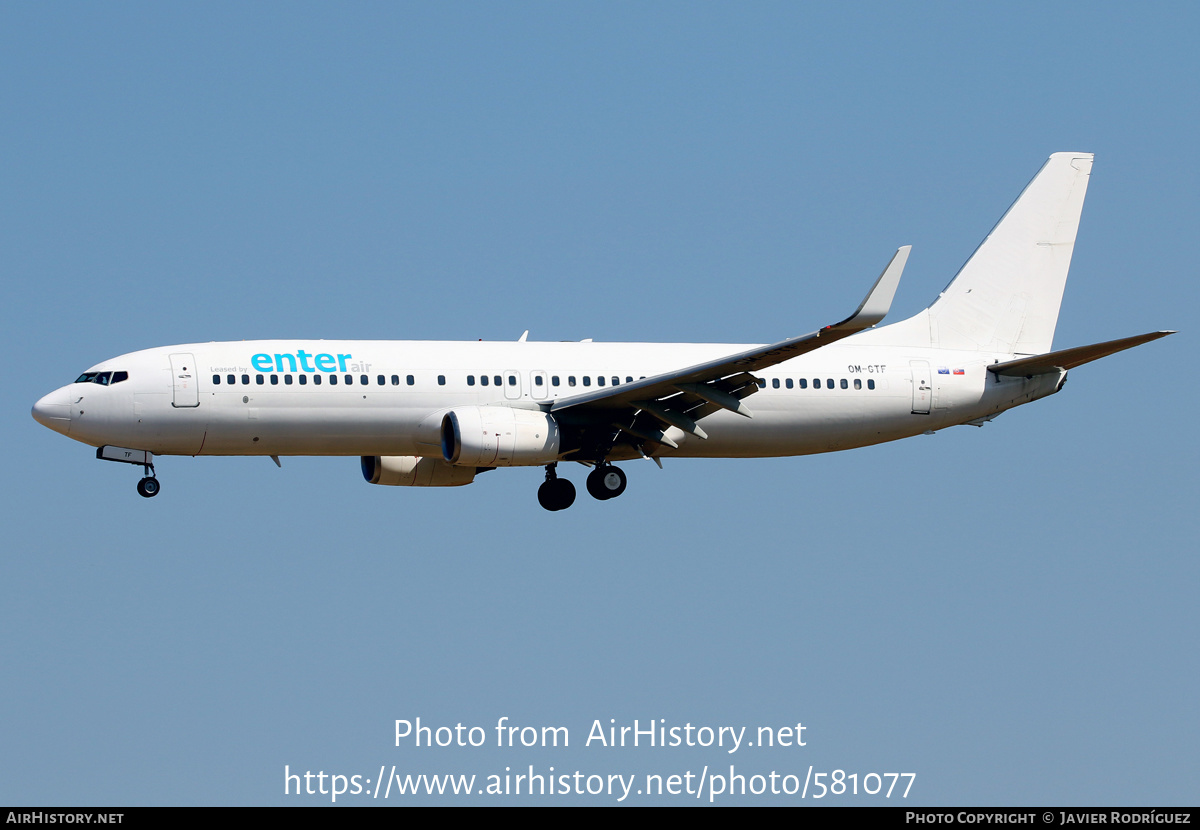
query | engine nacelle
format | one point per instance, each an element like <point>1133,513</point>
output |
<point>499,436</point>
<point>412,471</point>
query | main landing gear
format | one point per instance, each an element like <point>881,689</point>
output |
<point>555,493</point>
<point>604,482</point>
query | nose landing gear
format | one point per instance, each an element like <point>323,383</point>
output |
<point>148,487</point>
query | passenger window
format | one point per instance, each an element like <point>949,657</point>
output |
<point>216,380</point>
<point>844,384</point>
<point>870,384</point>
<point>245,380</point>
<point>483,380</point>
<point>395,380</point>
<point>349,380</point>
<point>537,380</point>
<point>441,380</point>
<point>512,380</point>
<point>587,380</point>
<point>287,380</point>
<point>858,383</point>
<point>829,383</point>
<point>629,380</point>
<point>600,380</point>
<point>803,383</point>
<point>570,380</point>
<point>816,383</point>
<point>333,380</point>
<point>317,380</point>
<point>410,380</point>
<point>381,380</point>
<point>762,383</point>
<point>774,383</point>
<point>274,380</point>
<point>303,380</point>
<point>554,380</point>
<point>496,380</point>
<point>258,379</point>
<point>363,380</point>
<point>230,379</point>
<point>788,383</point>
<point>470,380</point>
<point>616,381</point>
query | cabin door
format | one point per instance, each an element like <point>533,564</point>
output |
<point>922,386</point>
<point>184,381</point>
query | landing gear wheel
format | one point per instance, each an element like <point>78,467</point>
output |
<point>148,487</point>
<point>606,482</point>
<point>556,494</point>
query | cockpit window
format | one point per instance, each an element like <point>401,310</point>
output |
<point>102,378</point>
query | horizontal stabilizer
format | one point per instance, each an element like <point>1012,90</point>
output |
<point>1045,364</point>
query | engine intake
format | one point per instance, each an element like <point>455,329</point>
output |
<point>499,436</point>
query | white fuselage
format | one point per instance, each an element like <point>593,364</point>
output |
<point>386,398</point>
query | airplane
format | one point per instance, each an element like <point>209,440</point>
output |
<point>436,414</point>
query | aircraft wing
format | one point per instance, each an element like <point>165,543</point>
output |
<point>642,410</point>
<point>1051,362</point>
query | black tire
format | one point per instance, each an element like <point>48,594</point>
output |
<point>148,487</point>
<point>546,495</point>
<point>566,493</point>
<point>558,494</point>
<point>606,482</point>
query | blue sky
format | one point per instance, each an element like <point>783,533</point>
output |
<point>1008,612</point>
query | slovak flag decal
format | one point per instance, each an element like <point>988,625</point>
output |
<point>959,372</point>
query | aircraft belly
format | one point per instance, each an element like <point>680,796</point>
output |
<point>248,429</point>
<point>803,427</point>
<point>161,428</point>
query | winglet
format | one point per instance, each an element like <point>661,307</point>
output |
<point>879,299</point>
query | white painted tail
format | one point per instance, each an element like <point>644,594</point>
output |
<point>1006,298</point>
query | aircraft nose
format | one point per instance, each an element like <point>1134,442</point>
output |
<point>54,411</point>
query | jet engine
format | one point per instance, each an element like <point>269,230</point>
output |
<point>499,436</point>
<point>412,471</point>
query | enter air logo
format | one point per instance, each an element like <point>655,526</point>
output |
<point>302,361</point>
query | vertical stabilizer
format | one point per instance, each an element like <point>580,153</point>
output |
<point>1006,298</point>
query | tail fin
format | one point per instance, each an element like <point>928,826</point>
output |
<point>1006,298</point>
